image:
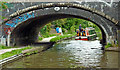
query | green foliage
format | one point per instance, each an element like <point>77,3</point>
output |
<point>108,45</point>
<point>6,47</point>
<point>2,5</point>
<point>2,17</point>
<point>117,44</point>
<point>5,5</point>
<point>13,52</point>
<point>46,29</point>
<point>40,38</point>
<point>48,35</point>
<point>29,53</point>
<point>63,30</point>
<point>36,51</point>
<point>52,35</point>
<point>55,39</point>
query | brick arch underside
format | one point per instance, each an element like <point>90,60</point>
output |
<point>27,32</point>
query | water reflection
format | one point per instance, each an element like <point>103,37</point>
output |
<point>84,53</point>
<point>70,53</point>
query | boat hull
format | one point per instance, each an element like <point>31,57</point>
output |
<point>86,38</point>
<point>82,39</point>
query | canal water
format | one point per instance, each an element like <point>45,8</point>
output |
<point>70,54</point>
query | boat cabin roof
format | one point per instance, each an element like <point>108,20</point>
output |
<point>90,28</point>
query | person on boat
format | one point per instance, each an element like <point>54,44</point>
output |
<point>78,32</point>
<point>57,29</point>
<point>80,28</point>
<point>83,33</point>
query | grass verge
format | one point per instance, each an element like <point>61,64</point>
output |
<point>33,52</point>
<point>40,38</point>
<point>13,52</point>
<point>108,45</point>
<point>6,47</point>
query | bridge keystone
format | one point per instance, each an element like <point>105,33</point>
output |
<point>57,8</point>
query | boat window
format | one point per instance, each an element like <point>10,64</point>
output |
<point>92,32</point>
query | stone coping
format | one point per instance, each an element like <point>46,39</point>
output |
<point>116,49</point>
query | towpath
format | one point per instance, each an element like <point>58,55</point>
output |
<point>8,50</point>
<point>47,39</point>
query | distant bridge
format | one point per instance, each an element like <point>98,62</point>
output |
<point>25,19</point>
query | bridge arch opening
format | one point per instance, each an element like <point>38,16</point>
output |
<point>26,33</point>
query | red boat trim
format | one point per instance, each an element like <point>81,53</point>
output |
<point>82,39</point>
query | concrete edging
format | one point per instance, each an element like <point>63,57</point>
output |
<point>10,59</point>
<point>66,39</point>
<point>23,54</point>
<point>114,49</point>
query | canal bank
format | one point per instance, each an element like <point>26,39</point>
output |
<point>24,53</point>
<point>114,49</point>
<point>70,54</point>
<point>18,53</point>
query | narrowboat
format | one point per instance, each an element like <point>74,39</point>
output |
<point>86,34</point>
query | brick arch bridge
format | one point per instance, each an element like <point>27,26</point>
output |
<point>22,27</point>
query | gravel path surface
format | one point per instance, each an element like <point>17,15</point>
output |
<point>47,39</point>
